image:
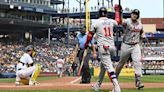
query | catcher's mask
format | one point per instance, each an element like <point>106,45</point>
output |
<point>30,48</point>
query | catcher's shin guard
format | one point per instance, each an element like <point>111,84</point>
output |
<point>24,81</point>
<point>36,72</point>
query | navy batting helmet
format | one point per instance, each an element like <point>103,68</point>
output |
<point>102,12</point>
<point>136,11</point>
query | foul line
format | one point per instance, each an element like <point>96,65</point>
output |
<point>72,82</point>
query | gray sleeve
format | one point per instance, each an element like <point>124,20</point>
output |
<point>93,27</point>
<point>141,30</point>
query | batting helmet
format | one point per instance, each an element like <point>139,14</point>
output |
<point>102,12</point>
<point>136,11</point>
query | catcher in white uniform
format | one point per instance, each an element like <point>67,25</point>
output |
<point>103,28</point>
<point>26,71</point>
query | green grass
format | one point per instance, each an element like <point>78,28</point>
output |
<point>39,79</point>
<point>123,90</point>
<point>145,78</point>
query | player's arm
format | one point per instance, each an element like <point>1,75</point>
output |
<point>93,47</point>
<point>77,48</point>
<point>124,23</point>
<point>94,51</point>
<point>89,38</point>
<point>142,33</point>
<point>30,62</point>
<point>90,35</point>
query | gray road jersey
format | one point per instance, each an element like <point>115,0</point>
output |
<point>132,32</point>
<point>103,27</point>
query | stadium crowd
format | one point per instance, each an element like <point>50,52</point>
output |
<point>45,55</point>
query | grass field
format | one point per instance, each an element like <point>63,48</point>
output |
<point>145,79</point>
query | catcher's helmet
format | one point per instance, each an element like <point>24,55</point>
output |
<point>136,11</point>
<point>102,12</point>
<point>29,48</point>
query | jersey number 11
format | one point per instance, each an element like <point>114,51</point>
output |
<point>107,31</point>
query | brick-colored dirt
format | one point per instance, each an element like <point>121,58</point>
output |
<point>70,83</point>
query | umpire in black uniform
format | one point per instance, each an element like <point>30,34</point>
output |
<point>82,38</point>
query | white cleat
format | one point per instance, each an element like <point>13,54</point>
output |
<point>116,89</point>
<point>17,83</point>
<point>96,87</point>
<point>33,83</point>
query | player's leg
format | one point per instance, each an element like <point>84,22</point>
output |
<point>81,52</point>
<point>97,85</point>
<point>61,72</point>
<point>35,74</point>
<point>58,71</point>
<point>125,54</point>
<point>18,79</point>
<point>86,68</point>
<point>24,74</point>
<point>136,57</point>
<point>106,61</point>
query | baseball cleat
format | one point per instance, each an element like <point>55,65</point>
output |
<point>33,83</point>
<point>17,83</point>
<point>140,86</point>
<point>116,90</point>
<point>96,87</point>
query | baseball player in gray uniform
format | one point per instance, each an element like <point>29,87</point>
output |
<point>103,27</point>
<point>133,30</point>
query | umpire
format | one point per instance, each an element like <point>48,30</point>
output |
<point>82,38</point>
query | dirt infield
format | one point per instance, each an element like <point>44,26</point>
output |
<point>70,83</point>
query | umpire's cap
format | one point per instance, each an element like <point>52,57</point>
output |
<point>137,12</point>
<point>102,12</point>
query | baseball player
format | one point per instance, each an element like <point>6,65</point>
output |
<point>133,30</point>
<point>103,27</point>
<point>60,67</point>
<point>26,71</point>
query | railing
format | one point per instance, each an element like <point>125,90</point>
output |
<point>9,16</point>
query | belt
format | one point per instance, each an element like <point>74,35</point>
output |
<point>130,43</point>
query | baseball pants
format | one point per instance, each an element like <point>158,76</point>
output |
<point>135,52</point>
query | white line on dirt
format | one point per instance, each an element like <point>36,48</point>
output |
<point>72,82</point>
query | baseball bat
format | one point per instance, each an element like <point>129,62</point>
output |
<point>82,62</point>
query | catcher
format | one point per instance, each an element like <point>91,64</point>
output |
<point>26,71</point>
